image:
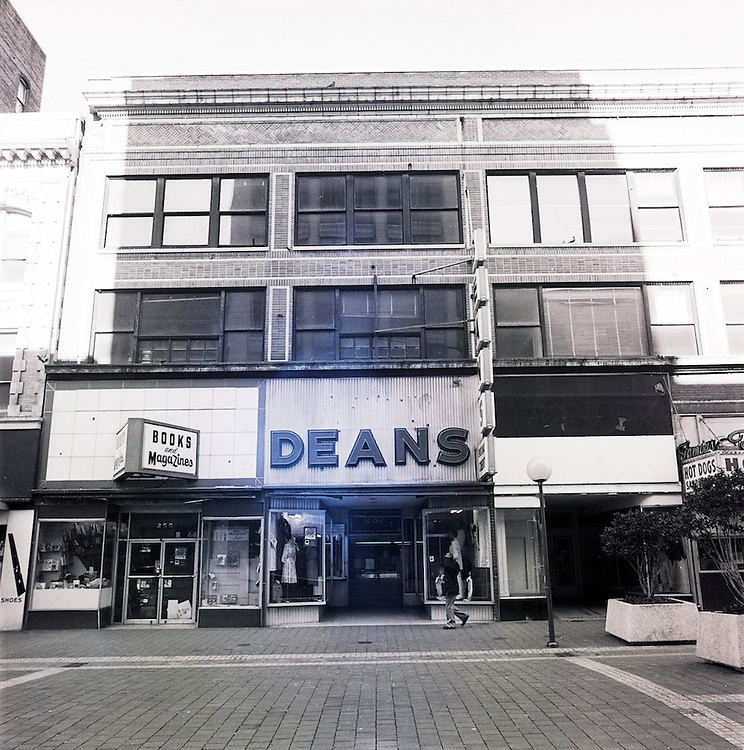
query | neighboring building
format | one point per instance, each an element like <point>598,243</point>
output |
<point>38,158</point>
<point>316,326</point>
<point>22,63</point>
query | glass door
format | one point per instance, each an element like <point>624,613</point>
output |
<point>160,581</point>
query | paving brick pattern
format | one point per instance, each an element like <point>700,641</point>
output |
<point>488,685</point>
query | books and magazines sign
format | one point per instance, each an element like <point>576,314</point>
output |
<point>148,448</point>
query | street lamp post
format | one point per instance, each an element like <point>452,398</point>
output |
<point>539,470</point>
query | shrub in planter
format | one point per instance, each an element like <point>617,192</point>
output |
<point>644,538</point>
<point>713,514</point>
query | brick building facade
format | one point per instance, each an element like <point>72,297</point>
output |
<point>23,64</point>
<point>324,321</point>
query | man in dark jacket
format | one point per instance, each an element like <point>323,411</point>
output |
<point>450,589</point>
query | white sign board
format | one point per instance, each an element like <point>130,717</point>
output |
<point>156,449</point>
<point>695,469</point>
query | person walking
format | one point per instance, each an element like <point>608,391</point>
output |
<point>450,589</point>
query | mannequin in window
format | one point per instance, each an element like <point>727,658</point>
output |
<point>289,565</point>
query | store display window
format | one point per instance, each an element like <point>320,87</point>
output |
<point>231,567</point>
<point>296,565</point>
<point>520,561</point>
<point>74,564</point>
<point>466,533</point>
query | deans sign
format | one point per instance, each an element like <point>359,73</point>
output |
<point>151,448</point>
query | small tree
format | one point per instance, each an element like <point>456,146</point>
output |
<point>643,538</point>
<point>714,516</point>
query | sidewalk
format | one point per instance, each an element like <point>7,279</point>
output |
<point>487,685</point>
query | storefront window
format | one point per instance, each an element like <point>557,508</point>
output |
<point>296,570</point>
<point>231,571</point>
<point>466,533</point>
<point>517,531</point>
<point>73,564</point>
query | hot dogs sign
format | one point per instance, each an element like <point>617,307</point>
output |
<point>721,454</point>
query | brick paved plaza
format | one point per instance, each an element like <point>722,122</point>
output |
<point>488,685</point>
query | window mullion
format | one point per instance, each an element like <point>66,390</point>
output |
<point>214,214</point>
<point>405,194</point>
<point>350,234</point>
<point>584,205</point>
<point>158,218</point>
<point>634,213</point>
<point>542,321</point>
<point>536,233</point>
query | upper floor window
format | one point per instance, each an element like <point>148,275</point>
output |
<point>726,202</point>
<point>7,353</point>
<point>22,95</point>
<point>179,327</point>
<point>601,321</point>
<point>559,208</point>
<point>187,212</point>
<point>366,324</point>
<point>733,310</point>
<point>417,208</point>
<point>15,231</point>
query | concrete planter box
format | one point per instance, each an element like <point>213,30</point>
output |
<point>720,639</point>
<point>674,622</point>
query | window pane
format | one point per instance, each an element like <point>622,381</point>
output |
<point>433,227</point>
<point>520,343</point>
<point>356,311</point>
<point>669,303</point>
<point>399,306</point>
<point>243,347</point>
<point>735,334</point>
<point>131,196</point>
<point>244,231</point>
<point>14,240</point>
<point>315,346</point>
<point>443,305</point>
<point>12,271</point>
<point>433,191</point>
<point>670,340</point>
<point>174,315</point>
<point>655,189</point>
<point>113,348</point>
<point>4,395</point>
<point>560,212</point>
<point>378,228</point>
<point>314,309</point>
<point>733,302</point>
<point>510,210</point>
<point>128,231</point>
<point>516,306</point>
<point>321,193</point>
<point>523,555</point>
<point>186,230</point>
<point>6,367</point>
<point>321,229</point>
<point>244,310</point>
<point>659,225</point>
<point>244,194</point>
<point>725,188</point>
<point>445,343</point>
<point>115,311</point>
<point>397,347</point>
<point>609,208</point>
<point>594,322</point>
<point>727,223</point>
<point>187,195</point>
<point>355,347</point>
<point>377,191</point>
